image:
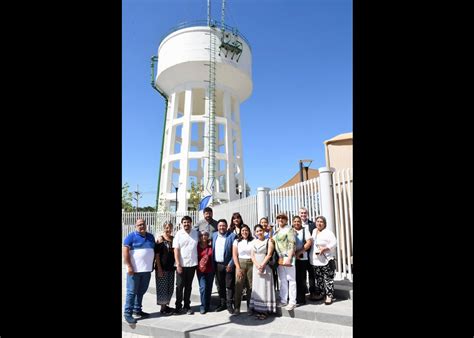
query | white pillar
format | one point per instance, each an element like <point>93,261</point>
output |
<point>169,139</point>
<point>229,148</point>
<point>205,161</point>
<point>263,203</point>
<point>327,199</point>
<point>185,147</point>
<point>239,155</point>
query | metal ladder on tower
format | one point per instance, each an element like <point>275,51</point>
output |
<point>211,136</point>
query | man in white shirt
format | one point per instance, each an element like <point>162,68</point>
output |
<point>186,257</point>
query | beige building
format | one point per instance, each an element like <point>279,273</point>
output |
<point>307,175</point>
<point>339,151</point>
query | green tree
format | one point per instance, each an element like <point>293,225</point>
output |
<point>195,196</point>
<point>148,208</point>
<point>126,198</point>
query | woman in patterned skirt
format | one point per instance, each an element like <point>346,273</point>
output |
<point>262,300</point>
<point>322,252</point>
<point>164,260</point>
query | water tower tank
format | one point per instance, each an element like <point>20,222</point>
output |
<point>184,74</point>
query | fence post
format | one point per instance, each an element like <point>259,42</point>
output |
<point>263,203</point>
<point>327,198</point>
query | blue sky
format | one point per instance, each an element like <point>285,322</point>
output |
<point>302,83</point>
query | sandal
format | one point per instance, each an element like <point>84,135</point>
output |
<point>262,316</point>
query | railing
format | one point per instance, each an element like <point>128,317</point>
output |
<point>197,23</point>
<point>247,207</point>
<point>154,221</point>
<point>342,193</point>
<point>290,200</point>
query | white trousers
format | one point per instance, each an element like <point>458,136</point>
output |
<point>286,275</point>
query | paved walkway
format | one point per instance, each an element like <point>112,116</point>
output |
<point>312,320</point>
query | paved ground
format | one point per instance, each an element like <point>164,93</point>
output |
<point>133,335</point>
<point>312,320</point>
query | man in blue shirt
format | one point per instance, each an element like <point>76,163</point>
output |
<point>224,267</point>
<point>138,253</point>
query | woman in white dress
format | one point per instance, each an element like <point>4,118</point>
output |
<point>262,300</point>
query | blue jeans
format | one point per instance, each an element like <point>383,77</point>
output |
<point>205,289</point>
<point>137,284</point>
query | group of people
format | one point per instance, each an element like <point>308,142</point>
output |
<point>264,261</point>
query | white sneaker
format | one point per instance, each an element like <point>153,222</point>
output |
<point>290,307</point>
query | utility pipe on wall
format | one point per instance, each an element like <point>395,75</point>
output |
<point>154,59</point>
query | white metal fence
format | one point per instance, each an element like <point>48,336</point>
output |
<point>247,207</point>
<point>154,220</point>
<point>342,193</point>
<point>290,200</point>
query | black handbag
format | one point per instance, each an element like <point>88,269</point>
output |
<point>273,261</point>
<point>332,264</point>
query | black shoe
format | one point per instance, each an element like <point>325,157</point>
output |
<point>220,308</point>
<point>178,311</point>
<point>166,311</point>
<point>189,311</point>
<point>230,309</point>
<point>141,314</point>
<point>130,319</point>
<point>316,296</point>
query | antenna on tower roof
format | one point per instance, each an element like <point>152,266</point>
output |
<point>222,15</point>
<point>209,12</point>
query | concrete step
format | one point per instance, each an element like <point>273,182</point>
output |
<point>342,289</point>
<point>222,324</point>
<point>340,312</point>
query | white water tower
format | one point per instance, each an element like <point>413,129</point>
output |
<point>206,73</point>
